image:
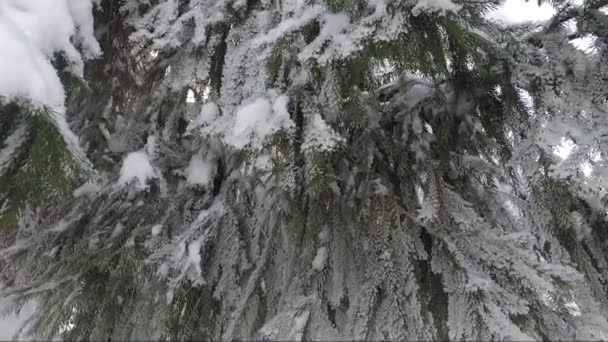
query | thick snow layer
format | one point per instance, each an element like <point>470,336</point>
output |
<point>194,256</point>
<point>257,120</point>
<point>118,229</point>
<point>319,136</point>
<point>88,188</point>
<point>289,25</point>
<point>324,235</point>
<point>334,39</point>
<point>12,323</point>
<point>199,171</point>
<point>441,6</point>
<point>31,32</point>
<point>8,152</point>
<point>209,112</point>
<point>157,229</point>
<point>320,259</point>
<point>136,168</point>
<point>26,73</point>
<point>299,324</point>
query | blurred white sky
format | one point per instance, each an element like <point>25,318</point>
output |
<point>519,11</point>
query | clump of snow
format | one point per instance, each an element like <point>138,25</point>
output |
<point>16,247</point>
<point>335,39</point>
<point>190,97</point>
<point>573,308</point>
<point>11,146</point>
<point>26,72</point>
<point>299,324</point>
<point>209,112</point>
<point>194,256</point>
<point>441,6</point>
<point>130,242</point>
<point>280,107</point>
<point>199,171</point>
<point>31,31</point>
<point>151,145</point>
<point>288,25</point>
<point>416,93</point>
<point>64,224</point>
<point>118,229</point>
<point>157,229</point>
<point>263,162</point>
<point>88,188</point>
<point>11,324</point>
<point>324,235</point>
<point>319,136</point>
<point>257,120</point>
<point>136,167</point>
<point>320,260</point>
<point>565,148</point>
<point>427,211</point>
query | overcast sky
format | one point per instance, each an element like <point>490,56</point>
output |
<point>519,11</point>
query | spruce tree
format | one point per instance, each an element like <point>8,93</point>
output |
<point>309,170</point>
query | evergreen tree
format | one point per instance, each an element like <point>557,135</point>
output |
<point>337,169</point>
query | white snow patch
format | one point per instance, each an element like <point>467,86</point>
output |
<point>320,260</point>
<point>299,324</point>
<point>209,112</point>
<point>432,6</point>
<point>416,93</point>
<point>88,188</point>
<point>15,248</point>
<point>130,242</point>
<point>194,255</point>
<point>585,43</point>
<point>11,324</point>
<point>263,162</point>
<point>324,235</point>
<point>319,136</point>
<point>587,169</point>
<point>151,145</point>
<point>280,107</point>
<point>427,211</point>
<point>11,147</point>
<point>564,149</point>
<point>31,31</point>
<point>157,229</point>
<point>199,171</point>
<point>573,308</point>
<point>336,39</point>
<point>64,224</point>
<point>190,98</point>
<point>289,25</point>
<point>257,120</point>
<point>136,167</point>
<point>118,229</point>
